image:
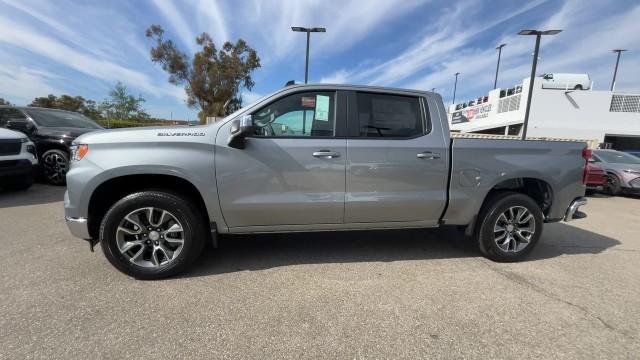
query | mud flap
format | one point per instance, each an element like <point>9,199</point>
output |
<point>92,243</point>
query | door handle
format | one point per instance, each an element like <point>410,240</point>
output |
<point>428,155</point>
<point>326,154</point>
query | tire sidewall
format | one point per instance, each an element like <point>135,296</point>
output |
<point>179,208</point>
<point>613,185</point>
<point>490,215</point>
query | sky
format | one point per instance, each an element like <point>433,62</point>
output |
<point>85,47</point>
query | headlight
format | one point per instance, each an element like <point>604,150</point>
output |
<point>78,151</point>
<point>24,140</point>
<point>32,150</point>
<point>637,172</point>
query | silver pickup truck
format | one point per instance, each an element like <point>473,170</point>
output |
<point>314,158</point>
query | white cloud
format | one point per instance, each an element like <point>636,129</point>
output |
<point>338,77</point>
<point>178,23</point>
<point>583,46</point>
<point>19,84</point>
<point>43,18</point>
<point>212,17</point>
<point>441,40</point>
<point>104,42</point>
<point>27,38</point>
<point>346,23</point>
<point>249,97</point>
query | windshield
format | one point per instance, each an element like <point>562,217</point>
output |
<point>56,118</point>
<point>617,157</point>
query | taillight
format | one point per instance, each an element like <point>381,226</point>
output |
<point>586,155</point>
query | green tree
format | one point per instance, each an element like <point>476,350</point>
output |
<point>45,102</point>
<point>91,110</point>
<point>122,105</point>
<point>69,103</point>
<point>212,78</point>
<point>5,102</point>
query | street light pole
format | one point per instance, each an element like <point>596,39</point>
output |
<point>308,31</point>
<point>455,87</point>
<point>538,35</point>
<point>306,60</point>
<point>499,48</point>
<point>615,71</point>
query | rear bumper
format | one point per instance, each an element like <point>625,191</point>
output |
<point>78,227</point>
<point>573,212</point>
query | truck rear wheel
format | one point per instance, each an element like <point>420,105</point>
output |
<point>510,225</point>
<point>152,234</point>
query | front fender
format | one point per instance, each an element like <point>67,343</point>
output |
<point>192,164</point>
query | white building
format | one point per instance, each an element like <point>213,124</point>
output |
<point>611,118</point>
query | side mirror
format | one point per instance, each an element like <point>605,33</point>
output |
<point>240,129</point>
<point>20,125</point>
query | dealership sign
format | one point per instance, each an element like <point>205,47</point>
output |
<point>470,114</point>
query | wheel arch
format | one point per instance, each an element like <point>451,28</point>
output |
<point>110,191</point>
<point>536,188</point>
<point>44,146</point>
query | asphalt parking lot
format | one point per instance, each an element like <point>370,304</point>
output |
<point>391,294</point>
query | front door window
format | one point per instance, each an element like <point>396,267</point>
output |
<point>308,114</point>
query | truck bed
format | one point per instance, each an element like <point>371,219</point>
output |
<point>482,163</point>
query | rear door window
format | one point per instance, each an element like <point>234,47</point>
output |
<point>389,116</point>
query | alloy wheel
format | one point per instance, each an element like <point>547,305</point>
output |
<point>55,167</point>
<point>150,237</point>
<point>514,229</point>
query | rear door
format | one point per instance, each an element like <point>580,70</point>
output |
<point>396,168</point>
<point>292,170</point>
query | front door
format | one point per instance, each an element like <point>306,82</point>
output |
<point>292,171</point>
<point>396,164</point>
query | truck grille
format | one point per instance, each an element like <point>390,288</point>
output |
<point>10,146</point>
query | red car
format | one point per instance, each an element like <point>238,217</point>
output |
<point>596,177</point>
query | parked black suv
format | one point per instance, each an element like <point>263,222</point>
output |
<point>52,131</point>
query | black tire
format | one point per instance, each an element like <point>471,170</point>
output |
<point>194,234</point>
<point>613,185</point>
<point>494,207</point>
<point>578,87</point>
<point>55,164</point>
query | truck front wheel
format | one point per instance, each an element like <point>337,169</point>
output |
<point>151,235</point>
<point>510,226</point>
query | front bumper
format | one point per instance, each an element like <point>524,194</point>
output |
<point>573,212</point>
<point>17,169</point>
<point>78,227</point>
<point>631,184</point>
